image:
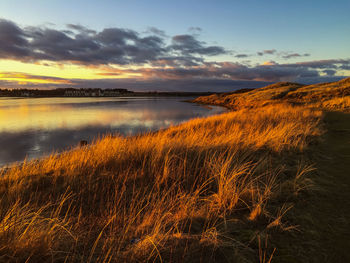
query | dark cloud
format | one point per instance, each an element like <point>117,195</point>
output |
<point>319,79</point>
<point>329,72</point>
<point>81,29</point>
<point>154,55</point>
<point>188,44</point>
<point>325,63</point>
<point>178,61</point>
<point>270,51</point>
<point>270,71</point>
<point>81,45</point>
<point>156,31</point>
<point>294,55</point>
<point>283,54</point>
<point>345,66</point>
<point>13,41</point>
<point>233,71</point>
<point>195,30</point>
<point>241,56</point>
<point>267,52</point>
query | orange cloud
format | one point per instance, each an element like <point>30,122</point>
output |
<point>25,78</point>
<point>268,63</point>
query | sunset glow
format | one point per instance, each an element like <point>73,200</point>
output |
<point>143,47</point>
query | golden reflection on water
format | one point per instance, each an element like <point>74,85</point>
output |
<point>49,114</point>
<point>30,128</point>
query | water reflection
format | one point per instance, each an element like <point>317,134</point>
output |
<point>34,127</point>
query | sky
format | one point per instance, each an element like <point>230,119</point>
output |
<point>179,45</point>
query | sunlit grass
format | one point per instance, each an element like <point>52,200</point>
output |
<point>175,195</point>
<point>341,103</point>
<point>326,96</point>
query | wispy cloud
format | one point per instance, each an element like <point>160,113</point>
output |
<point>241,55</point>
<point>267,52</point>
<point>295,55</point>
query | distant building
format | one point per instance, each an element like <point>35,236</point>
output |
<point>25,94</point>
<point>94,92</point>
<point>74,93</point>
<point>63,92</point>
<point>111,93</point>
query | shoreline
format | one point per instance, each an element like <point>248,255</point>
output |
<point>72,147</point>
<point>131,94</point>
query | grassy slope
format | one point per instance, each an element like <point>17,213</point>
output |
<point>333,96</point>
<point>213,189</point>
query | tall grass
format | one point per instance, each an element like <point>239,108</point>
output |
<point>341,103</point>
<point>200,191</point>
<point>326,96</point>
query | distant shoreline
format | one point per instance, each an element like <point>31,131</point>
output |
<point>95,93</point>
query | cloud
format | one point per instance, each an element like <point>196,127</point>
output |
<point>325,63</point>
<point>195,30</point>
<point>269,63</point>
<point>345,66</point>
<point>234,71</point>
<point>241,56</point>
<point>188,44</point>
<point>81,29</point>
<point>320,79</point>
<point>283,54</point>
<point>329,72</point>
<point>81,45</point>
<point>13,41</point>
<point>294,55</point>
<point>270,71</point>
<point>156,31</point>
<point>267,52</point>
<point>153,55</point>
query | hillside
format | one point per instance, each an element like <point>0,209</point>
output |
<point>334,95</point>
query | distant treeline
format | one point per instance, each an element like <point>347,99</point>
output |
<point>70,92</point>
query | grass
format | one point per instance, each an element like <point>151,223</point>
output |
<point>324,96</point>
<point>211,189</point>
<point>336,104</point>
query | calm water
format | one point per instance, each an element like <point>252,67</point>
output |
<point>34,127</point>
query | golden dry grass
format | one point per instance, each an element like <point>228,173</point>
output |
<point>206,190</point>
<point>328,96</point>
<point>339,104</point>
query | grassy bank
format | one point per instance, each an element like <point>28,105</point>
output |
<point>212,189</point>
<point>325,96</point>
